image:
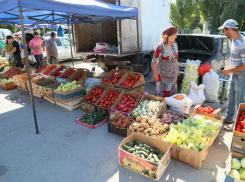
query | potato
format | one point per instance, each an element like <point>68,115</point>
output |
<point>145,131</point>
<point>149,130</point>
<point>130,127</point>
<point>138,119</point>
<point>145,117</point>
<point>141,129</point>
<point>166,127</point>
<point>143,121</point>
<point>156,132</point>
<point>146,125</point>
<point>147,134</point>
<point>151,122</point>
<point>152,133</point>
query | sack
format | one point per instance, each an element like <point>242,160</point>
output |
<point>211,82</point>
<point>101,46</point>
<point>90,82</point>
<point>178,105</point>
<point>191,74</point>
<point>197,93</point>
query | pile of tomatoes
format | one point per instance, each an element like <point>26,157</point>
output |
<point>127,104</point>
<point>58,73</point>
<point>43,68</point>
<point>96,93</point>
<point>109,100</point>
<point>130,82</point>
<point>115,79</point>
<point>78,78</point>
<point>240,124</point>
<point>50,69</point>
<point>206,110</point>
<point>68,74</point>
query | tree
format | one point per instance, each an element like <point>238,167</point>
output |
<point>11,27</point>
<point>182,13</point>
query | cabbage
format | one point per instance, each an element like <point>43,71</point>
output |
<point>234,173</point>
<point>243,162</point>
<point>216,126</point>
<point>187,122</point>
<point>201,120</point>
<point>211,133</point>
<point>242,173</point>
<point>200,127</point>
<point>209,124</point>
<point>235,163</point>
<point>194,119</point>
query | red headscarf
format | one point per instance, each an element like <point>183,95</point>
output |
<point>169,32</point>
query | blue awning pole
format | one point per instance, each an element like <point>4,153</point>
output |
<point>28,69</point>
<point>70,41</point>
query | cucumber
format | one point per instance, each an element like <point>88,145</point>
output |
<point>131,150</point>
<point>141,145</point>
<point>127,144</point>
<point>142,156</point>
<point>155,158</point>
<point>131,144</point>
<point>147,147</point>
<point>144,153</point>
<point>152,160</point>
<point>125,147</point>
<point>147,151</point>
<point>138,142</point>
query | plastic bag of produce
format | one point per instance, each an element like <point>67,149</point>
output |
<point>90,82</point>
<point>178,105</point>
<point>197,93</point>
<point>191,74</point>
<point>211,82</point>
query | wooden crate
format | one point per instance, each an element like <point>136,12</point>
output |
<point>50,100</point>
<point>71,105</point>
<point>216,114</point>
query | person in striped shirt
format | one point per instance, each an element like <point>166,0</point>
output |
<point>237,69</point>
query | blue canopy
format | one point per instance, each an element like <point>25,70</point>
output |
<point>58,11</point>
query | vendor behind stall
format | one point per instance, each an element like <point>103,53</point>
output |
<point>237,68</point>
<point>165,64</point>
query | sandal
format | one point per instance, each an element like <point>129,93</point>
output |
<point>227,121</point>
<point>229,127</point>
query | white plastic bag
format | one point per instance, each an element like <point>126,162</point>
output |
<point>197,93</point>
<point>178,105</point>
<point>90,82</point>
<point>211,82</point>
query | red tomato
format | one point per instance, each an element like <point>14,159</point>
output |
<point>238,129</point>
<point>242,123</point>
<point>238,126</point>
<point>243,130</point>
<point>240,119</point>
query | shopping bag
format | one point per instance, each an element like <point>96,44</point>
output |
<point>178,105</point>
<point>90,82</point>
<point>211,82</point>
<point>197,93</point>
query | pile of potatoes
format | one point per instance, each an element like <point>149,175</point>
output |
<point>149,126</point>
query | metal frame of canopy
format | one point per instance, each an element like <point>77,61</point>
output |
<point>71,19</point>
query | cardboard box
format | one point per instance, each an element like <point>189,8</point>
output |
<point>51,76</point>
<point>38,89</point>
<point>79,71</point>
<point>23,81</point>
<point>37,71</point>
<point>138,87</point>
<point>63,80</point>
<point>142,166</point>
<point>216,114</point>
<point>190,157</point>
<point>120,98</point>
<point>8,86</point>
<point>86,106</point>
<point>48,91</point>
<point>109,76</point>
<point>37,79</point>
<point>211,140</point>
<point>241,108</point>
<point>68,96</point>
<point>227,177</point>
<point>106,111</point>
<point>46,70</point>
<point>153,97</point>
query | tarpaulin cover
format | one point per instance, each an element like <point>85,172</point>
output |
<point>57,11</point>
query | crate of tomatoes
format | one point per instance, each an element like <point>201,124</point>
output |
<point>89,100</point>
<point>125,103</point>
<point>132,82</point>
<point>113,77</point>
<point>65,75</point>
<point>80,75</point>
<point>49,70</point>
<point>38,71</point>
<point>57,72</point>
<point>207,111</point>
<point>107,99</point>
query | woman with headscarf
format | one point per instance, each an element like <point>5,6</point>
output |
<point>165,64</point>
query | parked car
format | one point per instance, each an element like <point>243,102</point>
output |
<point>5,32</point>
<point>64,51</point>
<point>214,49</point>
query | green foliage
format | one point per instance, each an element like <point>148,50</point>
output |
<point>182,13</point>
<point>11,27</point>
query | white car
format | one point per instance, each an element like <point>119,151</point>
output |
<point>63,47</point>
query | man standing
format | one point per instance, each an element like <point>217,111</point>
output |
<point>15,51</point>
<point>2,42</point>
<point>51,47</point>
<point>237,68</point>
<point>37,46</point>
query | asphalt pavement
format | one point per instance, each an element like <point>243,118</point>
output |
<point>67,151</point>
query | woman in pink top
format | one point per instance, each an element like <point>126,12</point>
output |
<point>37,46</point>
